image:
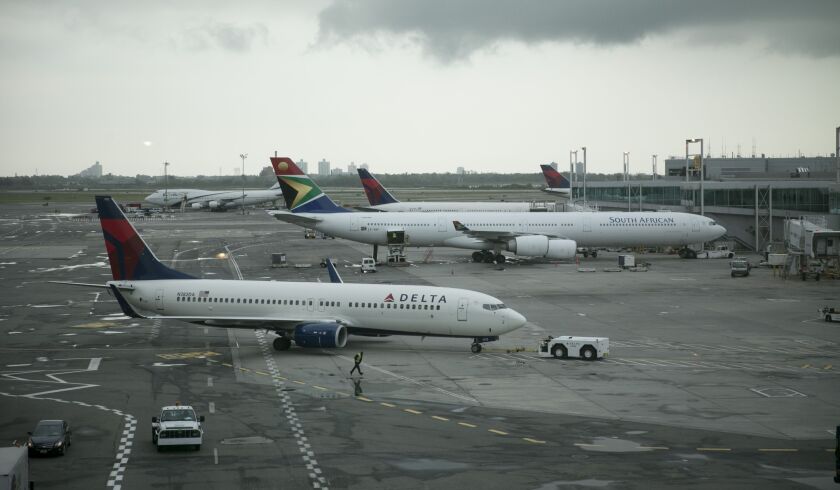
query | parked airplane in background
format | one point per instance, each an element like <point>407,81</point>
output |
<point>216,200</point>
<point>557,184</point>
<point>549,235</point>
<point>382,200</point>
<point>309,313</point>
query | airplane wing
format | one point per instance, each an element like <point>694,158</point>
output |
<point>496,235</point>
<point>295,219</point>
<point>272,323</point>
<point>368,210</point>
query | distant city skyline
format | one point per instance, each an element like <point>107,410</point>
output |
<point>411,86</point>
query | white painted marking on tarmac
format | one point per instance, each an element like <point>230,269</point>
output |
<point>210,381</point>
<point>212,407</point>
<point>17,365</point>
<point>316,477</point>
<point>162,364</point>
<point>215,456</point>
<point>93,365</point>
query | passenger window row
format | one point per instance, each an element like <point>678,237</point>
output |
<point>284,302</point>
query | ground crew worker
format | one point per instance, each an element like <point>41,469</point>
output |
<point>357,359</point>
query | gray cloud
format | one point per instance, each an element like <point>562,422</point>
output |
<point>454,29</point>
<point>237,39</point>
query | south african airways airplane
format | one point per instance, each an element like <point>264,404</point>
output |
<point>550,235</point>
<point>309,314</point>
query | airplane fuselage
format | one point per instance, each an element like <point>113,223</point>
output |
<point>212,199</point>
<point>362,308</point>
<point>437,207</point>
<point>589,229</point>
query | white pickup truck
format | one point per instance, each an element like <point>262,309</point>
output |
<point>830,314</point>
<point>177,425</point>
<point>565,346</point>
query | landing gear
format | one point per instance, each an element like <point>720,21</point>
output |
<point>485,256</point>
<point>476,345</point>
<point>687,253</point>
<point>282,343</point>
<point>500,259</point>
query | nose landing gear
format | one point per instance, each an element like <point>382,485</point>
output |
<point>477,341</point>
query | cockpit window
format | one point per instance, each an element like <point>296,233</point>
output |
<point>499,306</point>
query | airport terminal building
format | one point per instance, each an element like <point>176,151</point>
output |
<point>751,197</point>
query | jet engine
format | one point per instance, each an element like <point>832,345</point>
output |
<point>324,335</point>
<point>196,205</point>
<point>214,204</point>
<point>542,246</point>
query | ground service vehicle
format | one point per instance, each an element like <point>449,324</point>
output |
<point>177,425</point>
<point>830,314</point>
<point>14,468</point>
<point>565,346</point>
<point>368,265</point>
<point>739,267</point>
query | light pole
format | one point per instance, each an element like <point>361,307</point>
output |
<point>654,167</point>
<point>165,186</point>
<point>702,171</point>
<point>243,156</point>
<point>627,176</point>
<point>584,174</point>
<point>837,153</point>
<point>572,172</point>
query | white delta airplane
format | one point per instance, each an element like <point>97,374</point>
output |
<point>382,200</point>
<point>214,200</point>
<point>556,183</point>
<point>310,314</point>
<point>549,235</point>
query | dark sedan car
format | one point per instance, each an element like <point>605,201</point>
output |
<point>49,436</point>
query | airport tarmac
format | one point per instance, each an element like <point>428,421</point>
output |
<point>711,382</point>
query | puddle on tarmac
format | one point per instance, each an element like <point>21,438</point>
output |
<point>579,483</point>
<point>610,445</point>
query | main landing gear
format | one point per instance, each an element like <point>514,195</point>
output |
<point>282,343</point>
<point>687,253</point>
<point>488,257</point>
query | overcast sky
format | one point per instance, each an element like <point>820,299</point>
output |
<point>415,85</point>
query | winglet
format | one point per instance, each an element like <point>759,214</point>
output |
<point>334,277</point>
<point>301,194</point>
<point>376,193</point>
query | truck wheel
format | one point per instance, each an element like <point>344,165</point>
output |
<point>154,438</point>
<point>160,448</point>
<point>198,447</point>
<point>828,318</point>
<point>588,353</point>
<point>559,351</point>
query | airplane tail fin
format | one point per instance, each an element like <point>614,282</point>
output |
<point>376,193</point>
<point>130,257</point>
<point>334,276</point>
<point>301,194</point>
<point>555,179</point>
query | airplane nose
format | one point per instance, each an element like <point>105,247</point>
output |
<point>720,230</point>
<point>515,319</point>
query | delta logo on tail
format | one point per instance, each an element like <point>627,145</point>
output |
<point>554,178</point>
<point>376,193</point>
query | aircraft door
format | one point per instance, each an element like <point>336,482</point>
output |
<point>354,223</point>
<point>159,299</point>
<point>463,304</point>
<point>321,304</point>
<point>442,223</point>
<point>586,219</point>
<point>310,304</point>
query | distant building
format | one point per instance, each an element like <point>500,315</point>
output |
<point>92,172</point>
<point>716,168</point>
<point>460,171</point>
<point>336,171</point>
<point>351,169</point>
<point>553,165</point>
<point>364,166</point>
<point>579,168</point>
<point>303,166</point>
<point>324,167</point>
